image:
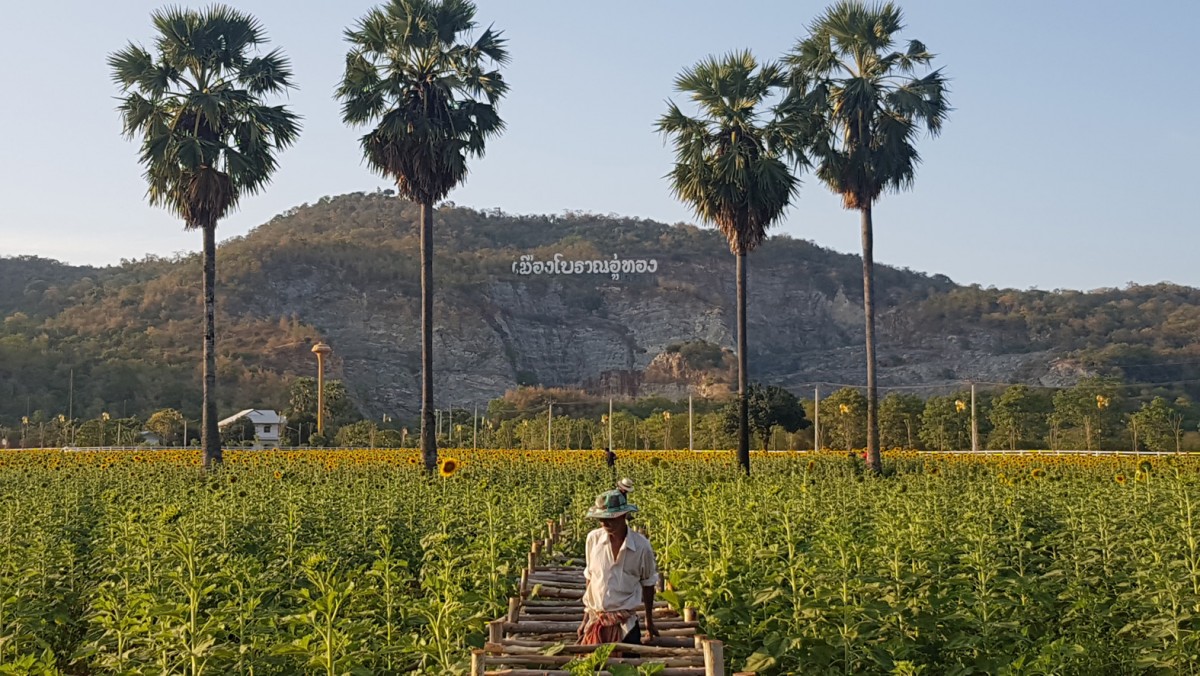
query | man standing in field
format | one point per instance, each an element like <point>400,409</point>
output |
<point>621,575</point>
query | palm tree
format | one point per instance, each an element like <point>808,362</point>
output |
<point>196,102</point>
<point>872,106</point>
<point>731,168</point>
<point>431,91</point>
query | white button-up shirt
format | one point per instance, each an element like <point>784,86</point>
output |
<point>616,584</point>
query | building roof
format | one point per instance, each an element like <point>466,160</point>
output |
<point>256,416</point>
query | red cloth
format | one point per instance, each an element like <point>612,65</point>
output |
<point>598,627</point>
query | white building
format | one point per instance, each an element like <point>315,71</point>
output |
<point>268,425</point>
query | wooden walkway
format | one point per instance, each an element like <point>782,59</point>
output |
<point>537,637</point>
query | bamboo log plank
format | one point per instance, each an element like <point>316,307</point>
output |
<point>555,660</point>
<point>669,671</point>
<point>535,627</point>
<point>523,646</point>
<point>659,614</point>
<point>555,592</point>
<point>538,602</point>
<point>535,581</point>
<point>658,642</point>
<point>538,577</point>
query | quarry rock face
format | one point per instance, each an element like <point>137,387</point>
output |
<point>611,336</point>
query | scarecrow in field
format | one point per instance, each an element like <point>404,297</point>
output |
<point>621,575</point>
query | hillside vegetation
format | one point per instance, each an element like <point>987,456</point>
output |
<point>345,270</point>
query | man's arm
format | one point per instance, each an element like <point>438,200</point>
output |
<point>648,599</point>
<point>649,581</point>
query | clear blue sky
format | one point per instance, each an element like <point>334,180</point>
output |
<point>1069,162</point>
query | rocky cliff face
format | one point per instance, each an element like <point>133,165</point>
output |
<point>346,270</point>
<point>503,328</point>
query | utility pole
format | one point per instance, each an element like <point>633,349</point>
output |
<point>817,418</point>
<point>549,425</point>
<point>974,422</point>
<point>610,441</point>
<point>475,429</point>
<point>71,405</point>
<point>691,427</point>
<point>321,349</point>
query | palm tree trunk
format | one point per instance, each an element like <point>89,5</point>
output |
<point>743,411</point>
<point>874,463</point>
<point>210,437</point>
<point>428,434</point>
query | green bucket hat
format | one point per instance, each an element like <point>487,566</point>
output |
<point>610,504</point>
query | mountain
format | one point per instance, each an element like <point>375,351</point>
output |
<point>344,270</point>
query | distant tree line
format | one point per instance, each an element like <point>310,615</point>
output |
<point>1095,414</point>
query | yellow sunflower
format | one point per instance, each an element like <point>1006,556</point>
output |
<point>448,467</point>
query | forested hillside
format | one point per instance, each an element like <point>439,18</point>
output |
<point>344,270</point>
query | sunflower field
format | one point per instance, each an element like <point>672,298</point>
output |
<point>356,562</point>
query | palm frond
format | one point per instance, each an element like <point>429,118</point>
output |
<point>430,89</point>
<point>730,169</point>
<point>859,99</point>
<point>196,103</point>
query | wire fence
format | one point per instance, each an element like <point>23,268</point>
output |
<point>322,449</point>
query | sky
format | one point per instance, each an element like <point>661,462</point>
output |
<point>1068,162</point>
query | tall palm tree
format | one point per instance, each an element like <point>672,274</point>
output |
<point>873,106</point>
<point>731,168</point>
<point>416,72</point>
<point>197,104</point>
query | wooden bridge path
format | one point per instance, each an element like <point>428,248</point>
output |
<point>537,636</point>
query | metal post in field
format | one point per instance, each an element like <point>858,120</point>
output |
<point>610,439</point>
<point>974,422</point>
<point>817,418</point>
<point>691,427</point>
<point>71,406</point>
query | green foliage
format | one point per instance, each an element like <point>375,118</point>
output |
<point>946,423</point>
<point>1019,418</point>
<point>900,420</point>
<point>361,434</point>
<point>1085,413</point>
<point>276,566</point>
<point>1158,425</point>
<point>167,424</point>
<point>949,566</point>
<point>698,355</point>
<point>301,412</point>
<point>769,406</point>
<point>111,432</point>
<point>238,431</point>
<point>843,419</point>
